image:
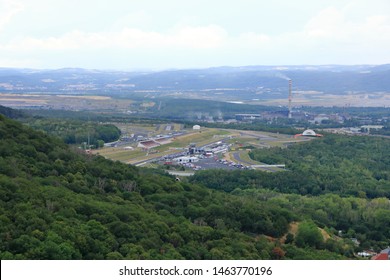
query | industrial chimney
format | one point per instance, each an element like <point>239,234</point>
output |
<point>289,98</point>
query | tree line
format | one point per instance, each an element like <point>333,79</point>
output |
<point>77,131</point>
<point>59,203</point>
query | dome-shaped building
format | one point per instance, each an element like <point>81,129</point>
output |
<point>309,133</point>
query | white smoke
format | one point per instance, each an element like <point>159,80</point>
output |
<point>282,76</point>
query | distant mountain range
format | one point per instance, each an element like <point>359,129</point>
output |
<point>335,79</point>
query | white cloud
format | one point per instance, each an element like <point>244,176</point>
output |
<point>252,40</point>
<point>377,27</point>
<point>332,25</point>
<point>137,19</point>
<point>333,35</point>
<point>20,63</point>
<point>326,24</point>
<point>203,37</point>
<point>8,9</point>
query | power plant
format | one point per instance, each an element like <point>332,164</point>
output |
<point>289,98</point>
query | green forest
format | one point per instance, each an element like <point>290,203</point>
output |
<point>345,165</point>
<point>58,203</point>
<point>71,127</point>
<point>76,131</point>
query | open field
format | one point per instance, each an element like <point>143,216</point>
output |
<point>81,101</point>
<point>64,102</point>
<point>310,98</point>
<point>128,129</point>
<point>293,229</point>
<point>200,138</point>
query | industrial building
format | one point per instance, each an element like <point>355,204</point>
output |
<point>245,117</point>
<point>186,159</point>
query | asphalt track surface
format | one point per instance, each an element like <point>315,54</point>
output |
<point>237,157</point>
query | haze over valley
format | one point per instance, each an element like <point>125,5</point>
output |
<point>328,85</point>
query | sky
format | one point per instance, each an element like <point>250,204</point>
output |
<point>166,34</point>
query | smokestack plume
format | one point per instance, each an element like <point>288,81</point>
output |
<point>289,98</point>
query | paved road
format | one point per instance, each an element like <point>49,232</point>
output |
<point>260,136</point>
<point>237,157</point>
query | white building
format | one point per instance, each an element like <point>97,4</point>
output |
<point>309,132</point>
<point>186,159</point>
<point>196,127</point>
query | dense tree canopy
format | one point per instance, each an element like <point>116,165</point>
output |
<point>345,181</point>
<point>77,132</point>
<point>58,203</point>
<point>339,164</point>
<point>357,166</point>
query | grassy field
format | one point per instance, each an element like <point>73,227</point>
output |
<point>62,101</point>
<point>121,154</point>
<point>200,138</point>
<point>152,130</point>
<point>244,155</point>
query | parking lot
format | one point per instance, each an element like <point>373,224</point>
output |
<point>212,163</point>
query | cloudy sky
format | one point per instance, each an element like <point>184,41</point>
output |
<point>160,34</point>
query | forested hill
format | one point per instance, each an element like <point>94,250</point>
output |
<point>339,79</point>
<point>11,113</point>
<point>344,165</point>
<point>57,203</point>
<point>70,131</point>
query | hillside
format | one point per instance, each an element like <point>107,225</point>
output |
<point>11,113</point>
<point>340,182</point>
<point>336,79</point>
<point>58,203</point>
